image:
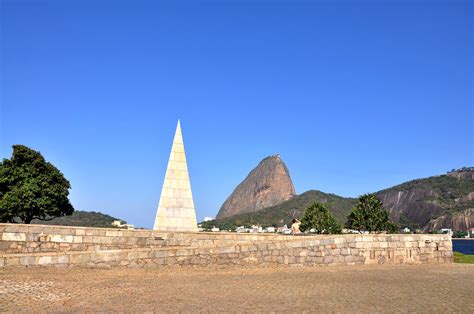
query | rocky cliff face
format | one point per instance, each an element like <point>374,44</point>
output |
<point>457,221</point>
<point>411,205</point>
<point>267,185</point>
<point>445,201</point>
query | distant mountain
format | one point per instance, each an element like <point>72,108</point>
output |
<point>445,201</point>
<point>267,185</point>
<point>82,219</point>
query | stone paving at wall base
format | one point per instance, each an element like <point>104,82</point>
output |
<point>441,288</point>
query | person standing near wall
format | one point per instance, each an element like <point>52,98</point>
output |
<point>295,227</point>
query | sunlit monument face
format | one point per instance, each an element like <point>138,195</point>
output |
<point>176,208</point>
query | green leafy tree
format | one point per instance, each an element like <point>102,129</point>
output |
<point>369,215</point>
<point>32,188</point>
<point>318,217</point>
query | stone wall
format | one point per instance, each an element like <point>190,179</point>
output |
<point>58,246</point>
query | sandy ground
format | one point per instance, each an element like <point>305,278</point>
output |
<point>421,288</point>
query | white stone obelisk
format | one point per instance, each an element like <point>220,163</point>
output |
<point>176,208</point>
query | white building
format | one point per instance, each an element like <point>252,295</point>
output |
<point>284,230</point>
<point>118,223</point>
<point>242,229</point>
<point>256,229</point>
<point>447,231</point>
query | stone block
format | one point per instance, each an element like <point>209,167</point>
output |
<point>61,238</point>
<point>328,259</point>
<point>44,260</point>
<point>138,255</point>
<point>11,228</point>
<point>12,261</point>
<point>80,259</point>
<point>12,236</point>
<point>63,259</point>
<point>345,251</point>
<point>87,239</point>
<point>349,258</point>
<point>4,246</point>
<point>89,232</point>
<point>80,232</point>
<point>271,246</point>
<point>184,253</point>
<point>112,233</point>
<point>225,250</point>
<point>27,260</point>
<point>303,253</point>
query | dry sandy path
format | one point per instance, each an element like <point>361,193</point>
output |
<point>384,288</point>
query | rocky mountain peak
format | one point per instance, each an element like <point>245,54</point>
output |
<point>267,185</point>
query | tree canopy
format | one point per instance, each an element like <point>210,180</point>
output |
<point>369,215</point>
<point>32,188</point>
<point>318,217</point>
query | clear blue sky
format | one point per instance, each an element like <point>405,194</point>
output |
<point>356,96</point>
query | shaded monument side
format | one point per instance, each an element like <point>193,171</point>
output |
<point>176,207</point>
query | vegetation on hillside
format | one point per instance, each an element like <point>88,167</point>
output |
<point>82,219</point>
<point>283,213</point>
<point>32,188</point>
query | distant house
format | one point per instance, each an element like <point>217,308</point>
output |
<point>215,229</point>
<point>242,229</point>
<point>284,230</point>
<point>269,229</point>
<point>354,231</point>
<point>256,229</point>
<point>118,223</point>
<point>447,231</point>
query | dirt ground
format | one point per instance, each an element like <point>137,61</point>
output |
<point>384,288</point>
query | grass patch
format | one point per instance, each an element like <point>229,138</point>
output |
<point>463,258</point>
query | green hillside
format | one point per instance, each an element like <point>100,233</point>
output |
<point>445,201</point>
<point>286,211</point>
<point>82,219</point>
